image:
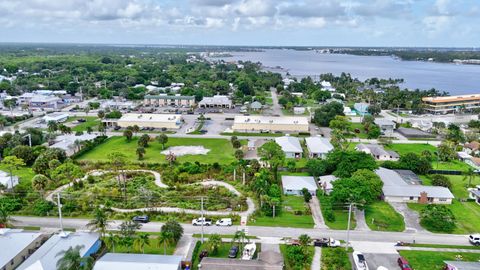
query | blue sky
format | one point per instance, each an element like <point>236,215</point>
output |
<point>449,23</point>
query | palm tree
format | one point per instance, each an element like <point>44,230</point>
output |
<point>52,126</point>
<point>141,241</point>
<point>5,219</point>
<point>214,242</point>
<point>165,238</point>
<point>72,260</point>
<point>304,240</point>
<point>111,241</point>
<point>469,175</point>
<point>39,183</point>
<point>99,222</point>
<point>240,237</point>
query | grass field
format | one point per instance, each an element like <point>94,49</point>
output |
<point>287,218</point>
<point>153,248</point>
<point>337,254</point>
<point>222,252</point>
<point>444,246</point>
<point>25,176</point>
<point>221,150</point>
<point>433,260</point>
<point>380,216</point>
<point>91,121</point>
<point>362,134</point>
<point>403,149</point>
<point>341,218</point>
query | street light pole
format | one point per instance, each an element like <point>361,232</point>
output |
<point>59,205</point>
<point>348,225</point>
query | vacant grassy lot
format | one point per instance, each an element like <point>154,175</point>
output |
<point>403,149</point>
<point>338,255</point>
<point>91,121</point>
<point>341,217</point>
<point>359,126</point>
<point>287,218</point>
<point>433,260</point>
<point>380,216</point>
<point>153,248</point>
<point>221,150</point>
<point>290,265</point>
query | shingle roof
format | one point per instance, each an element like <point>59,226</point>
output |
<point>318,145</point>
<point>289,144</point>
<point>298,182</point>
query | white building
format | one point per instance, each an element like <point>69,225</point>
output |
<point>118,105</point>
<point>398,188</point>
<point>327,86</point>
<point>299,110</point>
<point>377,151</point>
<point>259,123</point>
<point>67,142</point>
<point>291,146</point>
<point>318,147</point>
<point>46,257</point>
<point>386,126</point>
<point>422,124</point>
<point>128,261</point>
<point>217,101</point>
<point>150,120</point>
<point>57,117</point>
<point>293,185</point>
<point>45,102</point>
<point>7,181</point>
<point>16,246</point>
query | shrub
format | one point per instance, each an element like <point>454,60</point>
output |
<point>441,180</point>
<point>437,218</point>
<point>42,207</point>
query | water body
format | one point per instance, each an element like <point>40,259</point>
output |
<point>453,78</point>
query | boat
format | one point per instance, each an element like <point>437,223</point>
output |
<point>360,262</point>
<point>249,251</point>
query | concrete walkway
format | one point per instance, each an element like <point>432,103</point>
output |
<point>183,246</point>
<point>317,213</point>
<point>317,257</point>
<point>456,250</point>
<point>410,217</point>
<point>361,223</point>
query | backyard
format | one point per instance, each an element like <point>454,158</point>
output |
<point>290,215</point>
<point>380,216</point>
<point>433,260</point>
<point>221,150</point>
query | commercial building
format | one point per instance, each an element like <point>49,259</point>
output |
<point>257,123</point>
<point>45,102</point>
<point>56,117</point>
<point>386,126</point>
<point>160,121</point>
<point>16,245</point>
<point>67,142</point>
<point>46,257</point>
<point>166,100</point>
<point>377,151</point>
<point>405,186</point>
<point>128,261</point>
<point>299,110</point>
<point>217,101</point>
<point>290,146</point>
<point>318,147</point>
<point>118,105</point>
<point>451,104</point>
<point>293,185</point>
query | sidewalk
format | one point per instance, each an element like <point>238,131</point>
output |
<point>459,250</point>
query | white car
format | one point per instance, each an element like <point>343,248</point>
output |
<point>474,239</point>
<point>202,221</point>
<point>360,262</point>
<point>224,222</point>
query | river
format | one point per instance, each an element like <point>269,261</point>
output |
<point>453,78</point>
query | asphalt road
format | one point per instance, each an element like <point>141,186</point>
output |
<point>275,232</point>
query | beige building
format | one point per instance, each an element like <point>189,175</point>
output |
<point>159,121</point>
<point>451,104</point>
<point>255,123</point>
<point>166,100</point>
<point>17,245</point>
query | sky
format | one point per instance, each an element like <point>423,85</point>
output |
<point>413,23</point>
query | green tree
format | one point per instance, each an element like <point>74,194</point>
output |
<point>345,163</point>
<point>162,139</point>
<point>143,140</point>
<point>446,152</point>
<point>52,126</point>
<point>174,228</point>
<point>111,241</point>
<point>5,218</point>
<point>316,167</point>
<point>12,163</point>
<point>306,195</point>
<point>128,134</point>
<point>469,175</point>
<point>304,240</point>
<point>441,180</point>
<point>373,132</point>
<point>326,113</point>
<point>67,172</point>
<point>240,237</point>
<point>238,154</point>
<point>437,218</point>
<point>341,123</point>
<point>272,154</point>
<point>100,221</point>
<point>214,242</point>
<point>363,187</point>
<point>141,241</point>
<point>165,238</point>
<point>72,260</point>
<point>140,152</point>
<point>39,183</point>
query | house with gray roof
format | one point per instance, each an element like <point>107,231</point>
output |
<point>386,126</point>
<point>46,257</point>
<point>17,245</point>
<point>318,147</point>
<point>377,151</point>
<point>291,146</point>
<point>129,261</point>
<point>474,194</point>
<point>217,101</point>
<point>293,185</point>
<point>256,106</point>
<point>401,187</point>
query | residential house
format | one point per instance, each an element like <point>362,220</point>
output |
<point>291,146</point>
<point>472,148</point>
<point>318,147</point>
<point>299,110</point>
<point>256,106</point>
<point>327,86</point>
<point>378,152</point>
<point>293,185</point>
<point>326,183</point>
<point>16,246</point>
<point>386,126</point>
<point>129,261</point>
<point>405,186</point>
<point>474,194</point>
<point>46,257</point>
<point>361,108</point>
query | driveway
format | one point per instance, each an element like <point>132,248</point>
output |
<point>360,218</point>
<point>378,253</point>
<point>411,217</point>
<point>317,213</point>
<point>277,110</point>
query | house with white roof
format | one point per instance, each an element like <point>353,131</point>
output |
<point>400,186</point>
<point>150,120</point>
<point>57,117</point>
<point>217,101</point>
<point>293,185</point>
<point>8,181</point>
<point>46,257</point>
<point>386,126</point>
<point>17,245</point>
<point>291,146</point>
<point>377,151</point>
<point>129,261</point>
<point>327,86</point>
<point>318,147</point>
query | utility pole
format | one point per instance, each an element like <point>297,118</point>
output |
<point>348,225</point>
<point>274,210</point>
<point>235,174</point>
<point>59,205</point>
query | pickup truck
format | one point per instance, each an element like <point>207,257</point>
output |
<point>326,242</point>
<point>202,221</point>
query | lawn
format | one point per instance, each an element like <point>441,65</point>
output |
<point>221,150</point>
<point>25,176</point>
<point>454,165</point>
<point>341,217</point>
<point>380,216</point>
<point>459,186</point>
<point>359,126</point>
<point>252,134</point>
<point>433,260</point>
<point>403,149</point>
<point>287,218</point>
<point>153,248</point>
<point>91,121</point>
<point>338,256</point>
<point>291,265</point>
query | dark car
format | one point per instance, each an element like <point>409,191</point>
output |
<point>117,128</point>
<point>233,252</point>
<point>81,120</point>
<point>141,219</point>
<point>203,254</point>
<point>404,265</point>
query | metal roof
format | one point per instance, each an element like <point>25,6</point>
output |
<point>318,145</point>
<point>298,182</point>
<point>272,120</point>
<point>289,144</point>
<point>150,117</point>
<point>13,242</point>
<point>169,97</point>
<point>128,261</point>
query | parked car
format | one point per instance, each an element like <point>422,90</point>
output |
<point>141,219</point>
<point>117,128</point>
<point>203,254</point>
<point>81,120</point>
<point>326,242</point>
<point>404,265</point>
<point>224,222</point>
<point>359,260</point>
<point>233,252</point>
<point>474,239</point>
<point>202,221</point>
